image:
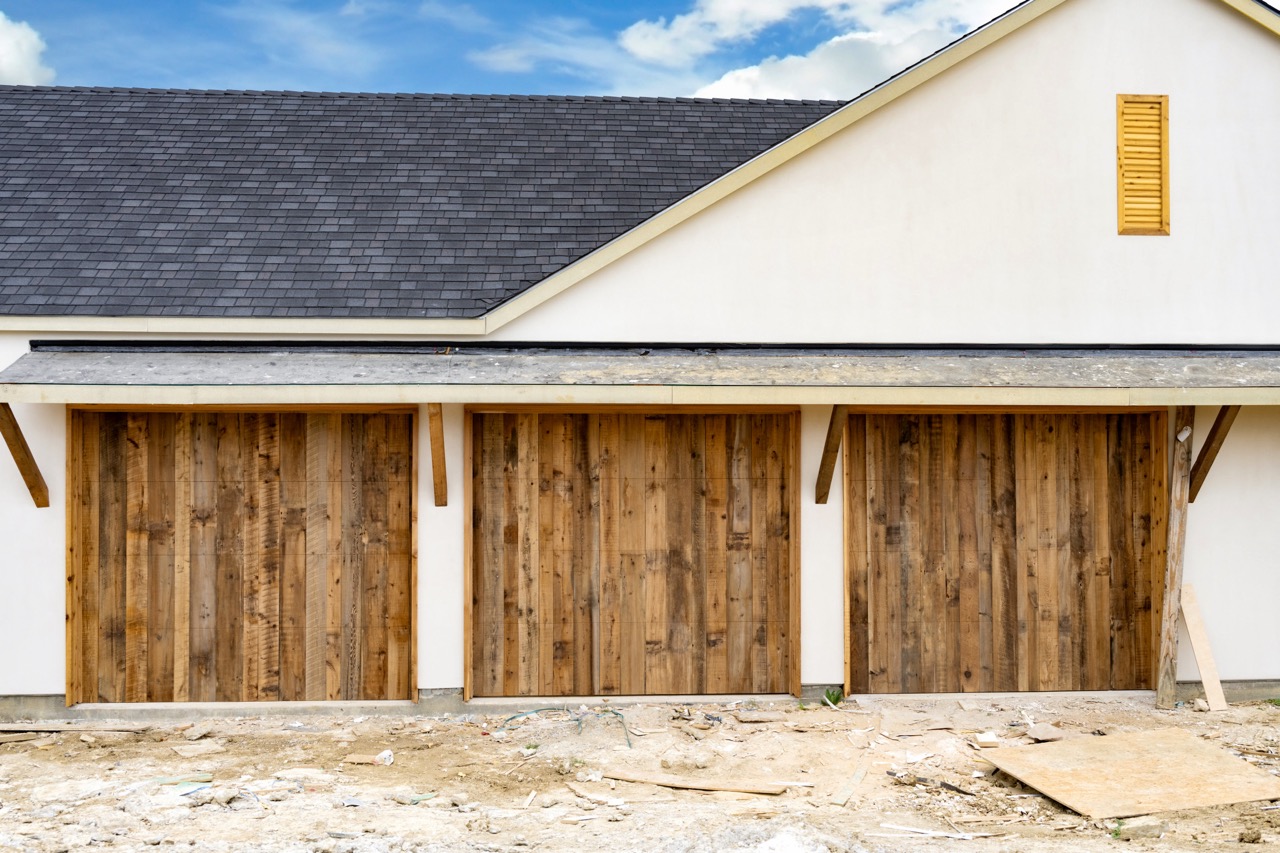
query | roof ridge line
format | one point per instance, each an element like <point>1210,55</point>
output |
<point>415,96</point>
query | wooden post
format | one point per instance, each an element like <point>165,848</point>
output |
<point>1179,489</point>
<point>827,467</point>
<point>21,452</point>
<point>1212,444</point>
<point>435,425</point>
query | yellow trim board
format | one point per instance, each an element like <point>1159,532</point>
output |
<point>1268,19</point>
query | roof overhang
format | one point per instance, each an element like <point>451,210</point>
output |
<point>229,375</point>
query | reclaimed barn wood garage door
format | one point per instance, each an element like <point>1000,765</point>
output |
<point>632,554</point>
<point>1006,552</point>
<point>239,556</point>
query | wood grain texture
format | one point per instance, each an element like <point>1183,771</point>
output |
<point>209,552</point>
<point>631,553</point>
<point>1179,491</point>
<point>22,457</point>
<point>1212,446</point>
<point>1002,552</point>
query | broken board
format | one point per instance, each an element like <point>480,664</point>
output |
<point>1136,773</point>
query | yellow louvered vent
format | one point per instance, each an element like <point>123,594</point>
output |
<point>1143,163</point>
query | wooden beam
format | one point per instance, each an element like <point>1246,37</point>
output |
<point>21,452</point>
<point>1200,646</point>
<point>435,426</point>
<point>1179,489</point>
<point>827,467</point>
<point>1212,444</point>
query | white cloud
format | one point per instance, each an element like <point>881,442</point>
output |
<point>20,49</point>
<point>460,16</point>
<point>715,24</point>
<point>569,46</point>
<point>889,38</point>
<point>292,37</point>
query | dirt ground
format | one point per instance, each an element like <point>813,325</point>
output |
<point>539,781</point>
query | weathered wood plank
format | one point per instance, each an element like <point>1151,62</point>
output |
<point>607,617</point>
<point>657,558</point>
<point>231,518</point>
<point>401,653</point>
<point>1179,491</point>
<point>830,451</point>
<point>23,457</point>
<point>522,431</point>
<point>137,535</point>
<point>181,521</point>
<point>203,520</point>
<point>716,508</point>
<point>857,640</point>
<point>295,592</point>
<point>739,563</point>
<point>1212,446</point>
<point>159,520</point>
<point>632,547</point>
<point>76,542</point>
<point>439,476</point>
<point>375,501</point>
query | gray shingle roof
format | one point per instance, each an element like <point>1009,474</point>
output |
<point>125,202</point>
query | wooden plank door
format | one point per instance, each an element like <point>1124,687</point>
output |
<point>220,556</point>
<point>989,552</point>
<point>627,554</point>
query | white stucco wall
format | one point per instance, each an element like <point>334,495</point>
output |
<point>1233,547</point>
<point>441,559</point>
<point>33,565</point>
<point>981,207</point>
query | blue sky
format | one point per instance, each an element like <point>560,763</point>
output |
<point>733,48</point>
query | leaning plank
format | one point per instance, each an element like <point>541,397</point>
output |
<point>1200,646</point>
<point>1179,487</point>
<point>830,450</point>
<point>1212,444</point>
<point>439,480</point>
<point>667,781</point>
<point>22,457</point>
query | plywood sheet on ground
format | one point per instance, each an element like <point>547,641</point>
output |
<point>1136,773</point>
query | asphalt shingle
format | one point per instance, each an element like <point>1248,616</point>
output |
<point>135,202</point>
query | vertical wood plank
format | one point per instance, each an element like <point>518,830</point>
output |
<point>76,544</point>
<point>297,594</point>
<point>971,603</point>
<point>374,480</point>
<point>715,602</point>
<point>857,638</point>
<point>604,456</point>
<point>1179,491</point>
<point>738,560</point>
<point>657,652</point>
<point>528,537</point>
<point>487,604</point>
<point>632,534</point>
<point>230,549</point>
<point>113,523</point>
<point>137,548</point>
<point>203,647</point>
<point>401,683</point>
<point>182,530</point>
<point>161,488</point>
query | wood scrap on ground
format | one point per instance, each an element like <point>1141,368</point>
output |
<point>132,728</point>
<point>667,781</point>
<point>1136,773</point>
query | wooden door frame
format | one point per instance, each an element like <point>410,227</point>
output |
<point>468,465</point>
<point>73,573</point>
